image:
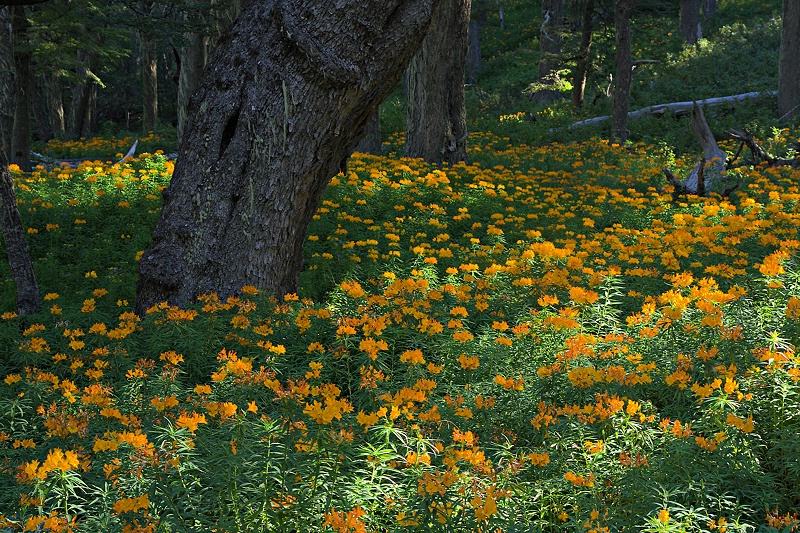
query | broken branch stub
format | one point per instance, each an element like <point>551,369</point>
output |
<point>706,175</point>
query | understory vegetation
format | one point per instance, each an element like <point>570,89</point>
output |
<point>544,338</point>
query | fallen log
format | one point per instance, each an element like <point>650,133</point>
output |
<point>678,108</point>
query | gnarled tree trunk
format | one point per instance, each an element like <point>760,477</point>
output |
<point>279,108</point>
<point>436,121</point>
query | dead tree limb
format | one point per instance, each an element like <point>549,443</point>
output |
<point>758,153</point>
<point>678,108</point>
<point>705,175</point>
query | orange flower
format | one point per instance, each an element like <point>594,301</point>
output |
<point>413,357</point>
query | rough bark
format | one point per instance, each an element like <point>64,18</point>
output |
<point>550,41</point>
<point>193,59</point>
<point>622,84</point>
<point>149,81</point>
<point>789,63</point>
<point>690,21</point>
<point>21,131</point>
<point>371,142</point>
<point>279,107</point>
<point>19,258</point>
<point>6,78</point>
<point>582,64</point>
<point>436,124</point>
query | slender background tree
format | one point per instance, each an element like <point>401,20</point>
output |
<point>622,81</point>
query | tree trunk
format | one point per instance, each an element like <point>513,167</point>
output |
<point>474,61</point>
<point>436,122</point>
<point>690,21</point>
<point>582,66</point>
<point>550,40</point>
<point>44,129</point>
<point>476,24</point>
<point>55,102</point>
<point>622,85</point>
<point>789,65</point>
<point>149,81</point>
<point>83,96</point>
<point>21,131</point>
<point>709,8</point>
<point>193,56</point>
<point>19,259</point>
<point>279,108</point>
<point>371,142</point>
<point>7,82</point>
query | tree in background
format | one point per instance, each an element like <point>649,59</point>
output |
<point>622,83</point>
<point>371,142</point>
<point>789,63</point>
<point>23,82</point>
<point>690,21</point>
<point>280,106</point>
<point>584,51</point>
<point>709,8</point>
<point>204,28</point>
<point>436,122</point>
<point>476,22</point>
<point>74,46</point>
<point>6,77</point>
<point>551,37</point>
<point>147,42</point>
